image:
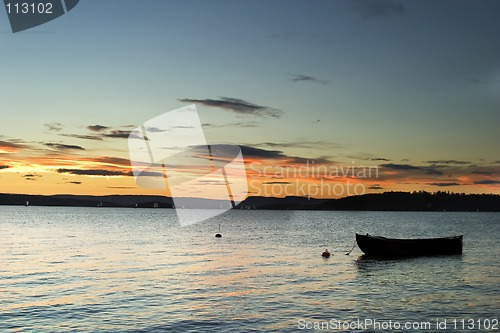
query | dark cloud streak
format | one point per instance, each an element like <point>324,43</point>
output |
<point>54,127</point>
<point>117,134</point>
<point>448,162</point>
<point>306,78</point>
<point>94,172</point>
<point>487,182</point>
<point>445,184</point>
<point>250,124</point>
<point>60,146</point>
<point>83,136</point>
<point>16,144</point>
<point>238,106</point>
<point>97,128</point>
<point>430,170</point>
<point>104,172</point>
<point>405,167</point>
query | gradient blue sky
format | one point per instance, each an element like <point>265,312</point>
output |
<point>406,81</point>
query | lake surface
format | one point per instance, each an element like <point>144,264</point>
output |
<point>137,270</point>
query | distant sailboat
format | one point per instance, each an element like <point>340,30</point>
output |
<point>99,204</point>
<point>156,205</point>
<point>27,203</point>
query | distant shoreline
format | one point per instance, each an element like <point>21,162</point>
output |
<point>387,201</point>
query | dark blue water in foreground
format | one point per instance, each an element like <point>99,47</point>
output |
<point>135,270</point>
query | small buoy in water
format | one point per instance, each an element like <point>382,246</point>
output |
<point>218,235</point>
<point>325,254</point>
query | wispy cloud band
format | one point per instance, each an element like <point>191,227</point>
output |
<point>236,105</point>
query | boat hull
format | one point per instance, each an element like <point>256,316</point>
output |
<point>381,246</point>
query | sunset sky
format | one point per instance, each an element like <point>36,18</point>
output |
<point>410,89</point>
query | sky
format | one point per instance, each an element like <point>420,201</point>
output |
<point>367,96</point>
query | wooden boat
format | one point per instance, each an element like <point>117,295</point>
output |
<point>382,246</point>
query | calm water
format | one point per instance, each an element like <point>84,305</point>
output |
<point>128,270</point>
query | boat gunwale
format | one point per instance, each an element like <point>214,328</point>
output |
<point>382,246</point>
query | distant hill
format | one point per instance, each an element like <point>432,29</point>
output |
<point>388,201</point>
<point>143,201</point>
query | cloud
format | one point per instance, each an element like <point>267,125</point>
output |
<point>405,167</point>
<point>12,145</point>
<point>301,144</point>
<point>31,176</point>
<point>159,130</point>
<point>97,128</point>
<point>2,167</point>
<point>250,124</point>
<point>101,132</point>
<point>238,106</point>
<point>94,172</point>
<point>76,183</point>
<point>380,159</point>
<point>149,174</point>
<point>445,184</point>
<point>487,182</point>
<point>373,9</point>
<point>316,121</point>
<point>60,146</point>
<point>485,173</point>
<point>104,172</point>
<point>118,134</point>
<point>83,136</point>
<point>306,78</point>
<point>430,170</point>
<point>307,160</point>
<point>54,127</point>
<point>249,151</point>
<point>124,134</point>
<point>375,187</point>
<point>448,162</point>
<point>113,160</point>
<point>276,183</point>
<point>220,150</point>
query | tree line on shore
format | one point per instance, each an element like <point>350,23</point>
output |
<point>387,201</point>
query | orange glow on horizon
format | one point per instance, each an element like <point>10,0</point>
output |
<point>55,173</point>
